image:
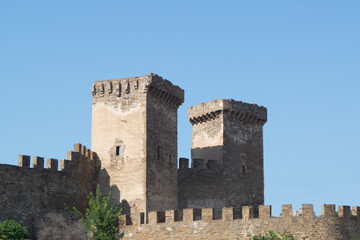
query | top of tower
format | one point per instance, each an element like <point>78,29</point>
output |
<point>152,84</point>
<point>237,109</point>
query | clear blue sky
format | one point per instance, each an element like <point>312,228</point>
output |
<point>300,59</point>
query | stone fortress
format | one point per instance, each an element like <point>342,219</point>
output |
<point>134,155</point>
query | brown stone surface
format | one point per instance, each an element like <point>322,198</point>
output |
<point>26,194</point>
<point>264,211</point>
<point>134,133</point>
<point>227,157</point>
<point>303,228</point>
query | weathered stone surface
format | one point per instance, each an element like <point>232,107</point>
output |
<point>27,194</point>
<point>302,227</point>
<point>134,132</point>
<point>227,157</point>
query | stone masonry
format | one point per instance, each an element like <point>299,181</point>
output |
<point>29,191</point>
<point>134,155</point>
<point>227,157</point>
<point>134,132</point>
<point>202,225</point>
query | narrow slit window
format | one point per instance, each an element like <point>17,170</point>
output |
<point>158,153</point>
<point>243,169</point>
<point>142,218</point>
<point>118,150</point>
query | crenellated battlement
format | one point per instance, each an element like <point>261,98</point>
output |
<point>201,223</point>
<point>197,164</point>
<point>79,153</point>
<point>124,87</point>
<point>237,110</point>
<point>264,212</point>
<point>115,88</point>
<point>164,89</point>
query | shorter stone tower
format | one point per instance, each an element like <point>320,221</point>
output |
<point>227,156</point>
<point>134,133</point>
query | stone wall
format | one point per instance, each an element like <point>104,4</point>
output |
<point>328,226</point>
<point>29,191</point>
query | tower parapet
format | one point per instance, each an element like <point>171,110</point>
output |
<point>153,84</point>
<point>236,109</point>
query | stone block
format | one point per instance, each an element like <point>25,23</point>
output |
<point>183,163</point>
<point>171,216</point>
<point>344,211</point>
<point>356,211</point>
<point>65,165</point>
<point>286,210</point>
<point>307,210</point>
<point>247,212</point>
<point>207,214</point>
<point>77,147</point>
<point>264,211</point>
<point>188,215</point>
<point>153,217</point>
<point>52,164</point>
<point>227,214</point>
<point>328,210</point>
<point>24,161</point>
<point>38,162</point>
<point>83,150</point>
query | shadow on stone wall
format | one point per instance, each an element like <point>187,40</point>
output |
<point>207,157</point>
<point>106,188</point>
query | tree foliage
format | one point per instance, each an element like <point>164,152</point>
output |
<point>12,230</point>
<point>101,218</point>
<point>271,235</point>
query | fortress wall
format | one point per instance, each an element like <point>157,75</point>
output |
<point>200,188</point>
<point>328,226</point>
<point>26,194</point>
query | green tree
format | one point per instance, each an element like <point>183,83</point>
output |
<point>12,230</point>
<point>271,235</point>
<point>100,218</point>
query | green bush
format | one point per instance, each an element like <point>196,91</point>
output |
<point>12,230</point>
<point>101,218</point>
<point>271,235</point>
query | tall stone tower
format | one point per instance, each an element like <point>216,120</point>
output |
<point>134,133</point>
<point>227,156</point>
